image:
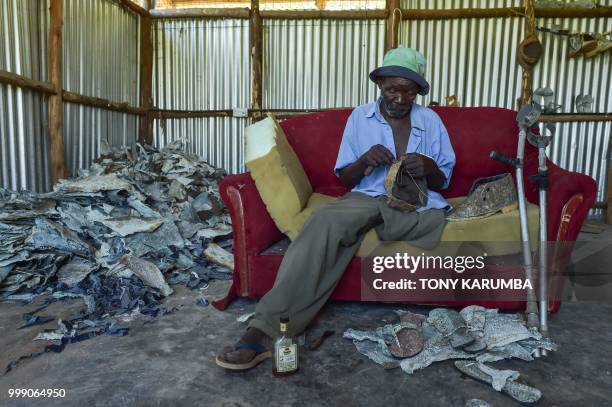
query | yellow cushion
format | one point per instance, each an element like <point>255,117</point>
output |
<point>495,235</point>
<point>278,174</point>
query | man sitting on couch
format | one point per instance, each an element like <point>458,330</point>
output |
<point>376,134</point>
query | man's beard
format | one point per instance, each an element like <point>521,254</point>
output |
<point>395,110</point>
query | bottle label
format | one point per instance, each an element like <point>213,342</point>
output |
<point>286,358</point>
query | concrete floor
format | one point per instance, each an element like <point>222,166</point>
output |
<point>171,361</point>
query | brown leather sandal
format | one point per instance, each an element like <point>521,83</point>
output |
<point>409,341</point>
<point>261,354</point>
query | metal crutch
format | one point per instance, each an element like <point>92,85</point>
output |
<point>526,118</point>
<point>541,141</point>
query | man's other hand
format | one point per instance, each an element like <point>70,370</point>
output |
<point>419,165</point>
<point>377,155</point>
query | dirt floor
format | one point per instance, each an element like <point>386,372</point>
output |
<point>169,360</point>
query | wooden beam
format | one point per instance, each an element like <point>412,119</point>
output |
<point>324,14</point>
<point>145,135</point>
<point>201,12</point>
<point>184,114</point>
<point>122,107</point>
<point>10,78</point>
<point>447,14</point>
<point>56,108</point>
<point>170,114</point>
<point>280,115</point>
<point>407,14</point>
<point>133,7</point>
<point>392,24</point>
<point>561,118</point>
<point>256,47</point>
<point>573,12</point>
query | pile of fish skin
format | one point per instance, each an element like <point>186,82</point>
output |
<point>494,336</point>
<point>117,235</point>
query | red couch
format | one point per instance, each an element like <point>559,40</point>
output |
<point>474,132</point>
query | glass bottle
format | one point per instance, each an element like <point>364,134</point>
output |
<point>285,358</point>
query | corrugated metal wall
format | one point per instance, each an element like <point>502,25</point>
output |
<point>217,140</point>
<point>24,146</point>
<point>475,59</point>
<point>203,64</point>
<point>469,58</point>
<point>101,59</point>
<point>23,37</point>
<point>313,64</point>
<point>460,55</point>
<point>86,128</point>
<point>101,50</point>
<point>580,147</point>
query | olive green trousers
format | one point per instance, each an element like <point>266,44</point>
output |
<point>317,258</point>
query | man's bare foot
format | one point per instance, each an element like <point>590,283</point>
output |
<point>254,347</point>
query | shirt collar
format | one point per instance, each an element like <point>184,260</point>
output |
<point>416,118</point>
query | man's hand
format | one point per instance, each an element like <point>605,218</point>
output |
<point>363,166</point>
<point>419,165</point>
<point>377,155</point>
<point>422,166</point>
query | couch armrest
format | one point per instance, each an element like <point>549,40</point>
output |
<point>253,229</point>
<point>563,187</point>
<point>251,222</point>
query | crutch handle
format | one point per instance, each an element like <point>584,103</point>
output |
<point>504,159</point>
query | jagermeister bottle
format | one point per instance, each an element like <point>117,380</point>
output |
<point>285,352</point>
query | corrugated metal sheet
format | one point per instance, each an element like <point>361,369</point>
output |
<point>217,140</point>
<point>101,59</point>
<point>86,128</point>
<point>101,50</point>
<point>23,37</point>
<point>580,147</point>
<point>24,162</point>
<point>201,64</point>
<point>474,59</point>
<point>24,147</point>
<point>311,64</point>
<point>569,77</point>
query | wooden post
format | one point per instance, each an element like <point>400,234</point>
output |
<point>145,135</point>
<point>392,24</point>
<point>56,108</point>
<point>256,45</point>
<point>527,85</point>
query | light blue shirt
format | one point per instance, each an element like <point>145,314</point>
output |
<point>367,127</point>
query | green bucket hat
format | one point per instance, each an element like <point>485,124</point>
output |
<point>403,63</point>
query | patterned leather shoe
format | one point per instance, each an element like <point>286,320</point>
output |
<point>487,197</point>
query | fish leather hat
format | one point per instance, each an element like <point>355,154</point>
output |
<point>405,63</point>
